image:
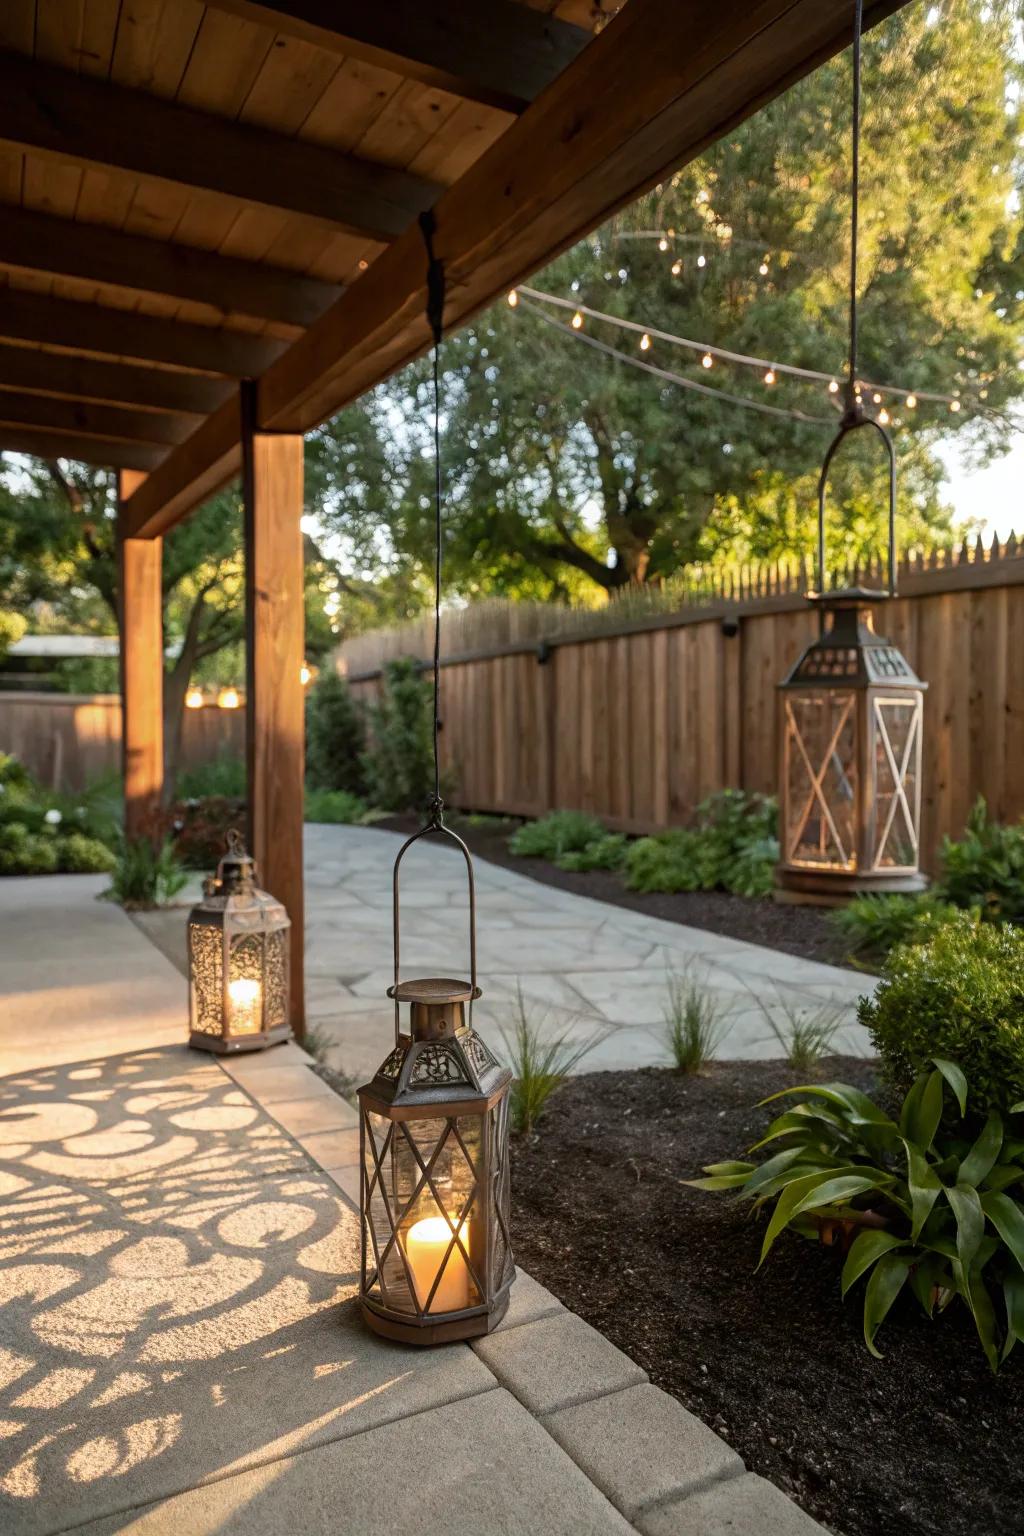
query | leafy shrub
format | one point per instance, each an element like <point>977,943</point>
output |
<point>732,846</point>
<point>912,1202</point>
<point>81,855</point>
<point>960,995</point>
<point>13,770</point>
<point>605,852</point>
<point>555,835</point>
<point>540,1064</point>
<point>399,763</point>
<point>26,853</point>
<point>146,874</point>
<point>335,736</point>
<point>986,868</point>
<point>198,829</point>
<point>335,805</point>
<point>876,922</point>
<point>694,1026</point>
<point>223,779</point>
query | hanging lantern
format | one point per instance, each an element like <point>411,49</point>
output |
<point>237,960</point>
<point>436,1259</point>
<point>850,711</point>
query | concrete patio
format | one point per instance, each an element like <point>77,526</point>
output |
<point>180,1348</point>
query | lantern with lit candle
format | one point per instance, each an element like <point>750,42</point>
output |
<point>436,1259</point>
<point>238,961</point>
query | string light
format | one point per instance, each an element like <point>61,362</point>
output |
<point>954,406</point>
<point>763,268</point>
<point>883,417</point>
<point>645,342</point>
<point>677,267</point>
<point>876,398</point>
<point>513,299</point>
<point>707,361</point>
<point>769,377</point>
<point>577,321</point>
<point>833,386</point>
<point>663,244</point>
<point>702,260</point>
<point>911,402</point>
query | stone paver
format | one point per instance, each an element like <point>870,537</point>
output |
<point>592,971</point>
<point>743,1506</point>
<point>557,1361</point>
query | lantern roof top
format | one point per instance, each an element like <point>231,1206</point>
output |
<point>433,990</point>
<point>850,653</point>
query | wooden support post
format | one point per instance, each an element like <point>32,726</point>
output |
<point>275,641</point>
<point>142,672</point>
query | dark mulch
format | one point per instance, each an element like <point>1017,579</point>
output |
<point>924,1441</point>
<point>802,931</point>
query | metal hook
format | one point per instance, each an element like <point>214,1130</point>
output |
<point>852,421</point>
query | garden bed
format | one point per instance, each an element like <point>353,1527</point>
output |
<point>924,1441</point>
<point>802,931</point>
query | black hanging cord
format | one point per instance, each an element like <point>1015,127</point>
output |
<point>435,315</point>
<point>852,402</point>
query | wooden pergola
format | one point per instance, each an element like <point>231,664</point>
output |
<point>209,245</point>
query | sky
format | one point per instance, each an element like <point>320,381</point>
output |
<point>994,496</point>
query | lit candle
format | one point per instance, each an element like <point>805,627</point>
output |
<point>245,1006</point>
<point>425,1245</point>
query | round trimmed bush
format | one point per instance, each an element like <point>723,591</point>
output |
<point>81,855</point>
<point>26,853</point>
<point>961,996</point>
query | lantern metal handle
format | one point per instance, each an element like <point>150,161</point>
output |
<point>436,826</point>
<point>852,420</point>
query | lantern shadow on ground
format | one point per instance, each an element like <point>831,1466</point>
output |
<point>175,1288</point>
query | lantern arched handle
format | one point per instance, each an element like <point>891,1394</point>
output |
<point>851,422</point>
<point>435,827</point>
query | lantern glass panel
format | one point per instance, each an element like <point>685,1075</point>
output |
<point>897,723</point>
<point>821,770</point>
<point>206,946</point>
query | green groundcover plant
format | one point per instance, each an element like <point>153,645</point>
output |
<point>930,1202</point>
<point>732,846</point>
<point>43,832</point>
<point>555,835</point>
<point>961,995</point>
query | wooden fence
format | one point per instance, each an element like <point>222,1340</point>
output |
<point>638,726</point>
<point>66,740</point>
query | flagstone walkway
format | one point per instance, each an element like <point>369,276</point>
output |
<point>180,1347</point>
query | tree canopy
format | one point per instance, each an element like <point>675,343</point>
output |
<point>568,472</point>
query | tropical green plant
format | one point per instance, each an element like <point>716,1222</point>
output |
<point>961,995</point>
<point>399,760</point>
<point>605,852</point>
<point>555,835</point>
<point>985,869</point>
<point>540,1062</point>
<point>146,874</point>
<point>694,1026</point>
<point>335,736</point>
<point>915,1200</point>
<point>874,923</point>
<point>335,805</point>
<point>732,846</point>
<point>223,777</point>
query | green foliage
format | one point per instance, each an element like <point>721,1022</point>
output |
<point>26,853</point>
<point>223,777</point>
<point>42,831</point>
<point>82,855</point>
<point>933,1199</point>
<point>556,835</point>
<point>198,829</point>
<point>12,770</point>
<point>399,761</point>
<point>806,1033</point>
<point>540,1063</point>
<point>876,922</point>
<point>961,995</point>
<point>336,805</point>
<point>605,852</point>
<point>335,736</point>
<point>731,847</point>
<point>986,868</point>
<point>694,1026</point>
<point>146,874</point>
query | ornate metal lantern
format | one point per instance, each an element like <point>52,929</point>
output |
<point>436,1259</point>
<point>238,960</point>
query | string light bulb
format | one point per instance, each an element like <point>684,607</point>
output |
<point>702,260</point>
<point>883,417</point>
<point>663,244</point>
<point>769,377</point>
<point>763,268</point>
<point>911,402</point>
<point>954,406</point>
<point>513,299</point>
<point>677,267</point>
<point>876,398</point>
<point>833,386</point>
<point>645,342</point>
<point>577,321</point>
<point>707,361</point>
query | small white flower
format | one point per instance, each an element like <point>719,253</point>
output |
<point>53,818</point>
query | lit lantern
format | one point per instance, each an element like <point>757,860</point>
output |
<point>436,1259</point>
<point>850,724</point>
<point>228,698</point>
<point>194,698</point>
<point>238,961</point>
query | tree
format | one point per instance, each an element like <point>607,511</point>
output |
<point>566,470</point>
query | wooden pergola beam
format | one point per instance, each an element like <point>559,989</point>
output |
<point>208,460</point>
<point>662,82</point>
<point>502,54</point>
<point>123,333</point>
<point>87,419</point>
<point>140,622</point>
<point>88,450</point>
<point>84,378</point>
<point>36,242</point>
<point>80,120</point>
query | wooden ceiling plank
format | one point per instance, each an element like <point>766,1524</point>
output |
<point>655,88</point>
<point>109,332</point>
<point>83,378</point>
<point>117,423</point>
<point>502,54</point>
<point>85,121</point>
<point>37,242</point>
<point>86,450</point>
<point>77,34</point>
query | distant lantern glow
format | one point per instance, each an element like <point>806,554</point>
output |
<point>663,244</point>
<point>305,674</point>
<point>707,361</point>
<point>876,397</point>
<point>769,377</point>
<point>194,698</point>
<point>911,402</point>
<point>577,321</point>
<point>228,699</point>
<point>645,342</point>
<point>513,299</point>
<point>883,417</point>
<point>677,267</point>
